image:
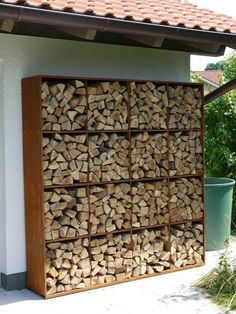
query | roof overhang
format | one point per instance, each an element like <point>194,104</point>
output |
<point>30,21</point>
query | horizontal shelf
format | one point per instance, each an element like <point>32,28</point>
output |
<point>148,130</point>
<point>92,235</point>
<point>102,183</point>
<point>148,179</point>
<point>197,175</point>
<point>86,131</point>
<point>186,221</point>
<point>65,132</point>
<point>185,130</point>
<point>67,239</point>
<point>63,186</point>
<point>121,131</point>
<point>105,131</point>
<point>122,181</point>
<point>133,229</point>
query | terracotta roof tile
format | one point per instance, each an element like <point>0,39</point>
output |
<point>211,75</point>
<point>169,12</point>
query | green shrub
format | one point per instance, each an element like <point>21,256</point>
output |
<point>220,137</point>
<point>220,132</point>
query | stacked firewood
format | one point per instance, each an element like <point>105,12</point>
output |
<point>187,244</point>
<point>108,157</point>
<point>65,159</point>
<point>112,258</point>
<point>64,106</point>
<point>107,103</point>
<point>66,213</point>
<point>151,253</point>
<point>110,208</point>
<point>149,155</point>
<point>185,107</point>
<point>67,266</point>
<point>185,155</point>
<point>186,199</point>
<point>148,106</point>
<point>104,215</point>
<point>149,203</point>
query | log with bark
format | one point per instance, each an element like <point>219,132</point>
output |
<point>151,251</point>
<point>186,199</point>
<point>149,104</point>
<point>107,106</point>
<point>185,103</point>
<point>66,213</point>
<point>187,244</point>
<point>68,266</point>
<point>185,155</point>
<point>149,203</point>
<point>149,155</point>
<point>65,159</point>
<point>64,106</point>
<point>110,207</point>
<point>108,157</point>
<point>111,258</point>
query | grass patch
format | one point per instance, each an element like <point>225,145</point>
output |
<point>220,283</point>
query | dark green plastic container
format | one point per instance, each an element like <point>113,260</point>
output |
<point>218,211</point>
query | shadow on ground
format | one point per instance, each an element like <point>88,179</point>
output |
<point>8,297</point>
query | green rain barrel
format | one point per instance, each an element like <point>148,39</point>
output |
<point>218,211</point>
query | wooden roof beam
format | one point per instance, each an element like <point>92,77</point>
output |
<point>87,34</point>
<point>220,91</point>
<point>152,41</point>
<point>7,25</point>
<point>208,47</point>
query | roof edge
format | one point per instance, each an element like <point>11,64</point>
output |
<point>105,24</point>
<point>209,81</point>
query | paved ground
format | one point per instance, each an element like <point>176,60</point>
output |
<point>167,294</point>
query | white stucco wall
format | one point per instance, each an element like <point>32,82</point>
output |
<point>26,56</point>
<point>2,176</point>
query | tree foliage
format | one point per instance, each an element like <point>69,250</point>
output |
<point>220,137</point>
<point>220,65</point>
<point>195,78</point>
<point>220,132</point>
<point>230,68</point>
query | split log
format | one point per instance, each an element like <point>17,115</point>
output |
<point>111,258</point>
<point>185,107</point>
<point>110,208</point>
<point>68,266</point>
<point>185,155</point>
<point>187,244</point>
<point>149,203</point>
<point>148,106</point>
<point>66,213</point>
<point>65,159</point>
<point>151,252</point>
<point>108,157</point>
<point>186,199</point>
<point>107,103</point>
<point>63,106</point>
<point>149,155</point>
